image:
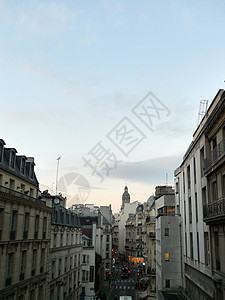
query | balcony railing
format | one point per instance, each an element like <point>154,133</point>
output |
<point>214,212</point>
<point>215,155</point>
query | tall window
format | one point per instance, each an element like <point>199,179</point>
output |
<point>26,225</point>
<point>1,222</point>
<point>191,245</point>
<point>36,226</point>
<point>42,260</point>
<point>12,184</point>
<point>189,177</point>
<point>214,191</point>
<point>65,264</point>
<point>202,161</point>
<point>60,266</point>
<point>13,225</point>
<point>190,210</point>
<point>34,262</point>
<point>1,152</point>
<point>22,165</point>
<point>23,262</point>
<point>217,252</point>
<point>196,206</point>
<point>9,270</point>
<point>12,159</point>
<point>44,227</point>
<point>207,251</point>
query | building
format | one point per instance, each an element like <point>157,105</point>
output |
<point>125,197</point>
<point>168,244</point>
<point>127,208</point>
<point>200,191</point>
<point>24,229</point>
<point>88,262</point>
<point>65,250</point>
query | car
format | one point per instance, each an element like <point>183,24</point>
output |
<point>125,272</point>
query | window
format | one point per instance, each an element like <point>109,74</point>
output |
<point>191,245</point>
<point>194,171</point>
<point>214,191</point>
<point>36,226</point>
<point>217,246</point>
<point>189,177</point>
<point>31,192</point>
<point>34,262</point>
<point>12,184</point>
<point>13,225</point>
<point>55,240</point>
<point>167,282</point>
<point>65,264</point>
<point>60,266</point>
<point>202,161</point>
<point>1,152</point>
<point>1,221</point>
<point>196,206</point>
<point>26,225</point>
<point>1,178</point>
<point>42,260</point>
<point>12,159</point>
<point>53,269</point>
<point>31,174</point>
<point>71,262</point>
<point>166,231</point>
<point>9,270</point>
<point>190,210</point>
<point>22,165</point>
<point>44,227</point>
<point>61,239</point>
<point>23,263</point>
<point>107,238</point>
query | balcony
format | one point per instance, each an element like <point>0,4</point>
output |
<point>214,156</point>
<point>214,212</point>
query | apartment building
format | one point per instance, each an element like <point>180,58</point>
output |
<point>168,244</point>
<point>88,263</point>
<point>200,192</point>
<point>24,229</point>
<point>65,250</point>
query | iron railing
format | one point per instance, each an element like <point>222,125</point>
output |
<point>215,155</point>
<point>214,209</point>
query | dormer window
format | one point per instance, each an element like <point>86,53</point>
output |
<point>12,159</point>
<point>1,152</point>
<point>31,171</point>
<point>22,165</point>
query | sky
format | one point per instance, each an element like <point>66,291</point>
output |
<point>113,88</point>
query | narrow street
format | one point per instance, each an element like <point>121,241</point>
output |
<point>122,287</point>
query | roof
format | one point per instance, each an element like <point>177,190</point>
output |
<point>87,232</point>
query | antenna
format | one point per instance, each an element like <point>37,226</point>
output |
<point>166,178</point>
<point>57,173</point>
<point>202,110</point>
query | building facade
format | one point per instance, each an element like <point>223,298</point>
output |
<point>200,187</point>
<point>24,230</point>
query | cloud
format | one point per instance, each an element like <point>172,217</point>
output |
<point>152,171</point>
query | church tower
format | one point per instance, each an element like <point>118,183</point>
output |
<point>125,197</point>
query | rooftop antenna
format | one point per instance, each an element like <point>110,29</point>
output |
<point>202,110</point>
<point>57,173</point>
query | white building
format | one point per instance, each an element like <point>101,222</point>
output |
<point>168,246</point>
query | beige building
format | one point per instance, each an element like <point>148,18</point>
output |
<point>24,230</point>
<point>65,250</point>
<point>200,192</point>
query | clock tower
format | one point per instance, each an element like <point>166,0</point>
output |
<point>125,197</point>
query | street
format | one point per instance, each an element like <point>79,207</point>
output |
<point>122,286</point>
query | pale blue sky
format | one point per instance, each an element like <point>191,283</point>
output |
<point>72,70</point>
